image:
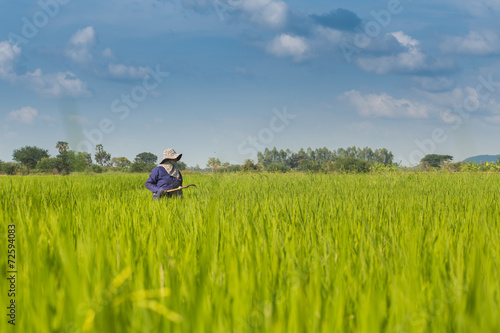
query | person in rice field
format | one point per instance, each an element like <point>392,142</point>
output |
<point>166,176</point>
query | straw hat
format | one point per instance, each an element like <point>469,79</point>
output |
<point>170,154</point>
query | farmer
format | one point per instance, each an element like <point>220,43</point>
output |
<point>166,176</point>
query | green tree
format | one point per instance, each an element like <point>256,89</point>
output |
<point>323,155</point>
<point>144,162</point>
<point>234,168</point>
<point>296,159</point>
<point>383,156</point>
<point>11,168</point>
<point>101,156</point>
<point>78,161</point>
<point>249,165</point>
<point>351,165</point>
<point>141,167</point>
<point>29,156</point>
<point>67,161</point>
<point>277,167</point>
<point>310,166</point>
<point>46,164</point>
<point>62,146</point>
<point>147,158</point>
<point>181,166</point>
<point>96,168</point>
<point>121,162</point>
<point>213,163</point>
<point>63,161</point>
<point>87,157</point>
<point>435,160</point>
<point>63,164</point>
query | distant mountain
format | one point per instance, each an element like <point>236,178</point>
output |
<point>482,158</point>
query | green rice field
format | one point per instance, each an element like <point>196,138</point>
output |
<point>403,252</point>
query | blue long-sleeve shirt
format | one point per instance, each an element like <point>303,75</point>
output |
<point>160,180</point>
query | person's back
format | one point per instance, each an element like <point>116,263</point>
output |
<point>166,176</point>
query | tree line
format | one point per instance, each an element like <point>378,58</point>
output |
<point>351,159</point>
<point>32,159</point>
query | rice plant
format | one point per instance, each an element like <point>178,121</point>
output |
<point>410,252</point>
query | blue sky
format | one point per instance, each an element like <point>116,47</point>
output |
<point>224,78</point>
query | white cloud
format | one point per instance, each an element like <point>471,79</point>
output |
<point>122,71</point>
<point>25,115</point>
<point>461,101</point>
<point>50,85</point>
<point>271,13</point>
<point>411,60</point>
<point>383,105</point>
<point>331,35</point>
<point>475,43</point>
<point>81,44</point>
<point>447,99</point>
<point>54,84</point>
<point>287,45</point>
<point>8,55</point>
<point>267,13</point>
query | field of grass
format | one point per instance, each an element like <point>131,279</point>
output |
<point>407,252</point>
